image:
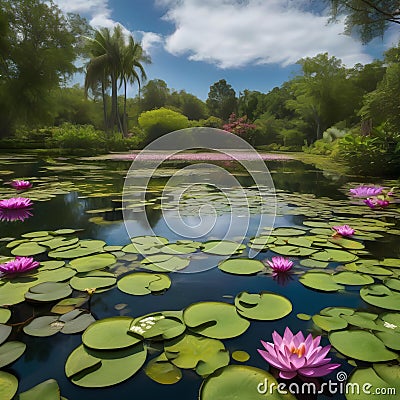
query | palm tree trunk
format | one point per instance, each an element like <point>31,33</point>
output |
<point>103,94</point>
<point>114,102</point>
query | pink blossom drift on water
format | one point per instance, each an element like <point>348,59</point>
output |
<point>343,230</point>
<point>280,264</point>
<point>19,265</point>
<point>292,355</point>
<point>374,202</point>
<point>21,185</point>
<point>366,191</point>
<point>238,155</point>
<point>15,203</point>
<point>14,215</point>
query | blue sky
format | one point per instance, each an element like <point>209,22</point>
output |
<point>253,44</point>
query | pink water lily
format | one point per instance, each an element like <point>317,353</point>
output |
<point>14,215</point>
<point>292,355</point>
<point>374,202</point>
<point>15,203</point>
<point>18,265</point>
<point>21,185</point>
<point>343,230</point>
<point>280,264</point>
<point>366,191</point>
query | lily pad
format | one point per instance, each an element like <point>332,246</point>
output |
<point>93,280</point>
<point>109,334</point>
<point>196,352</point>
<point>162,371</point>
<point>334,255</point>
<point>5,315</point>
<point>11,351</point>
<point>28,249</point>
<point>328,323</point>
<point>48,291</point>
<point>222,247</point>
<point>352,278</point>
<point>361,345</point>
<point>293,251</point>
<point>381,296</point>
<point>159,326</point>
<point>47,390</point>
<point>113,367</point>
<point>243,381</point>
<point>241,266</point>
<point>240,356</point>
<point>320,281</point>
<point>8,385</point>
<point>264,306</point>
<point>91,263</point>
<point>142,283</point>
<point>5,331</point>
<point>215,320</point>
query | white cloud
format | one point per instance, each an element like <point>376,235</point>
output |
<point>99,15</point>
<point>236,33</point>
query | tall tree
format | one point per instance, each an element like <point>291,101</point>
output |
<point>113,61</point>
<point>154,95</point>
<point>41,44</point>
<point>221,101</point>
<point>367,18</point>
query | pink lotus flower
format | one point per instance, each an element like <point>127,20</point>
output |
<point>14,215</point>
<point>373,202</point>
<point>280,264</point>
<point>16,203</point>
<point>343,230</point>
<point>366,191</point>
<point>19,265</point>
<point>21,185</point>
<point>294,355</point>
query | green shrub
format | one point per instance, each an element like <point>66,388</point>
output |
<point>157,123</point>
<point>69,136</point>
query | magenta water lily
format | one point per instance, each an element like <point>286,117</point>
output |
<point>280,264</point>
<point>21,184</point>
<point>375,202</point>
<point>366,191</point>
<point>293,354</point>
<point>343,230</point>
<point>18,265</point>
<point>16,203</point>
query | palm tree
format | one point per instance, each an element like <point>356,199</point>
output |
<point>113,59</point>
<point>132,58</point>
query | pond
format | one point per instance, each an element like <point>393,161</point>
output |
<point>348,285</point>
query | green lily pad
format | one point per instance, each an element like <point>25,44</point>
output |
<point>162,371</point>
<point>5,315</point>
<point>35,234</point>
<point>361,345</point>
<point>159,326</point>
<point>373,270</point>
<point>375,379</point>
<point>320,281</point>
<point>47,390</point>
<point>48,291</point>
<point>243,381</point>
<point>303,317</point>
<point>28,249</point>
<point>11,351</point>
<point>240,356</point>
<point>91,263</point>
<point>334,255</point>
<point>222,247</point>
<point>92,280</point>
<point>43,326</point>
<point>55,243</point>
<point>5,331</point>
<point>215,320</point>
<point>381,296</point>
<point>196,352</point>
<point>293,251</point>
<point>142,283</point>
<point>347,243</point>
<point>390,339</point>
<point>288,232</point>
<point>264,306</point>
<point>109,334</point>
<point>50,265</point>
<point>328,323</point>
<point>111,368</point>
<point>352,278</point>
<point>313,263</point>
<point>164,263</point>
<point>337,311</point>
<point>241,266</point>
<point>392,283</point>
<point>8,385</point>
<point>85,248</point>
